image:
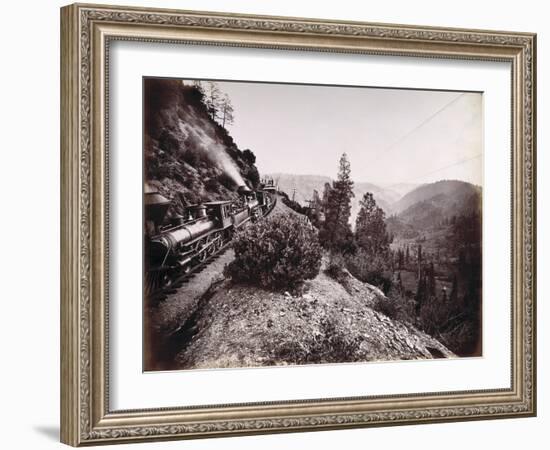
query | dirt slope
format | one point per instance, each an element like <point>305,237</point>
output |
<point>245,326</point>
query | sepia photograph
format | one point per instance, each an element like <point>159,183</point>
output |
<point>297,224</point>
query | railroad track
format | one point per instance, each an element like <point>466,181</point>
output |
<point>184,278</point>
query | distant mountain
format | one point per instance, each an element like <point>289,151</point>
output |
<point>447,191</point>
<point>302,187</point>
<point>430,204</point>
<point>385,198</point>
<point>424,206</point>
<point>399,189</point>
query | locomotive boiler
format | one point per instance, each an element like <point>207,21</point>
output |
<point>175,246</point>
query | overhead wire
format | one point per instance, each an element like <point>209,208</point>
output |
<point>393,145</point>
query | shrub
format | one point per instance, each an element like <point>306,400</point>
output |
<point>212,185</point>
<point>337,344</point>
<point>192,157</point>
<point>278,253</point>
<point>456,328</point>
<point>333,345</point>
<point>253,176</point>
<point>396,306</point>
<point>294,205</point>
<point>370,269</point>
<point>335,266</point>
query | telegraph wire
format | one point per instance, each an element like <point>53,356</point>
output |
<point>420,125</point>
<point>462,161</point>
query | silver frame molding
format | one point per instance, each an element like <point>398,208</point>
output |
<point>86,31</point>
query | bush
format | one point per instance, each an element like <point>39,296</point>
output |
<point>212,185</point>
<point>278,253</point>
<point>294,205</point>
<point>334,345</point>
<point>335,266</point>
<point>192,157</point>
<point>396,306</point>
<point>370,269</point>
<point>456,328</point>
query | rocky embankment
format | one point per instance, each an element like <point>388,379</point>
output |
<point>329,321</point>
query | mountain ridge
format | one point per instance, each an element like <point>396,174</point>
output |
<point>302,186</point>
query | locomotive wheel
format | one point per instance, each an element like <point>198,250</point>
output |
<point>211,245</point>
<point>165,280</point>
<point>186,269</point>
<point>202,253</point>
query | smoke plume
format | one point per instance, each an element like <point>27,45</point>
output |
<point>214,151</point>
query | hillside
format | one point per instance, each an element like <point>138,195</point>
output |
<point>430,205</point>
<point>189,157</point>
<point>399,189</point>
<point>332,321</point>
<point>304,185</point>
<point>445,194</point>
<point>385,198</point>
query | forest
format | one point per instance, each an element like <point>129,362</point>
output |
<point>432,279</point>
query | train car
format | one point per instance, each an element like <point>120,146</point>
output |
<point>174,246</point>
<point>265,202</point>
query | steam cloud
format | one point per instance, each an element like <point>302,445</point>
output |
<point>214,151</point>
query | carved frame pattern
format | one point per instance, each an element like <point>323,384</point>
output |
<point>86,418</point>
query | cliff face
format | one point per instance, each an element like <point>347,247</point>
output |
<point>331,322</point>
<point>188,156</point>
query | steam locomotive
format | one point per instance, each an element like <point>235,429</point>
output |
<point>174,246</point>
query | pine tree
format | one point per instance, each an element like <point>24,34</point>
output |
<point>401,259</point>
<point>419,260</point>
<point>197,84</point>
<point>421,293</point>
<point>454,290</point>
<point>336,231</point>
<point>213,97</point>
<point>431,280</point>
<point>407,255</point>
<point>399,283</point>
<point>226,110</point>
<point>370,227</point>
<point>326,193</point>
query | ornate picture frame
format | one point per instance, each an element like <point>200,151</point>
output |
<point>87,32</point>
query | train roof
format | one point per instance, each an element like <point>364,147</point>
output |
<point>216,203</point>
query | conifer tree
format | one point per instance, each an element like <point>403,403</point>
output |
<point>336,231</point>
<point>370,227</point>
<point>213,97</point>
<point>421,293</point>
<point>419,260</point>
<point>399,282</point>
<point>226,110</point>
<point>454,290</point>
<point>401,259</point>
<point>431,280</point>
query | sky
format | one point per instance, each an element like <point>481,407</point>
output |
<point>390,135</point>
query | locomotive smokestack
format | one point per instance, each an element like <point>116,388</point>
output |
<point>244,190</point>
